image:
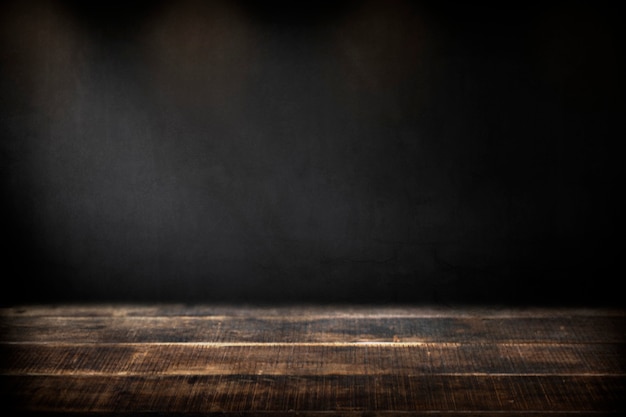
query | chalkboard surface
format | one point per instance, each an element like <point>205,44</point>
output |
<point>351,151</point>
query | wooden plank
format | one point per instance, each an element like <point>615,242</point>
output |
<point>302,312</point>
<point>298,329</point>
<point>314,359</point>
<point>186,360</point>
<point>268,393</point>
<point>327,413</point>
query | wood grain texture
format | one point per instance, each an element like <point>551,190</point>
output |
<point>210,360</point>
<point>313,359</point>
<point>299,329</point>
<point>237,393</point>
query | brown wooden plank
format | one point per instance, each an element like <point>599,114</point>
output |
<point>315,359</point>
<point>328,413</point>
<point>289,329</point>
<point>240,393</point>
<point>302,312</point>
<point>181,360</point>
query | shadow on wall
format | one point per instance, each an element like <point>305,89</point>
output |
<point>361,151</point>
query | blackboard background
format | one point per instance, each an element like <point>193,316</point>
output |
<point>264,152</point>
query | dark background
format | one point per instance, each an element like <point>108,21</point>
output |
<point>353,151</point>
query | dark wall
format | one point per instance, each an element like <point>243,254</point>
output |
<point>390,151</point>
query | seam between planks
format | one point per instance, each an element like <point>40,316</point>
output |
<point>314,344</point>
<point>267,374</point>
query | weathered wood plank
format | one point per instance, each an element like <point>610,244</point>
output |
<point>267,393</point>
<point>329,413</point>
<point>182,360</point>
<point>289,359</point>
<point>298,329</point>
<point>302,312</point>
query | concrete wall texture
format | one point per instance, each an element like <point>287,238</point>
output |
<point>355,151</point>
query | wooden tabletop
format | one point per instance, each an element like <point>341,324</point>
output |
<point>312,360</point>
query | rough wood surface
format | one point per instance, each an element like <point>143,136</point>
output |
<point>197,360</point>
